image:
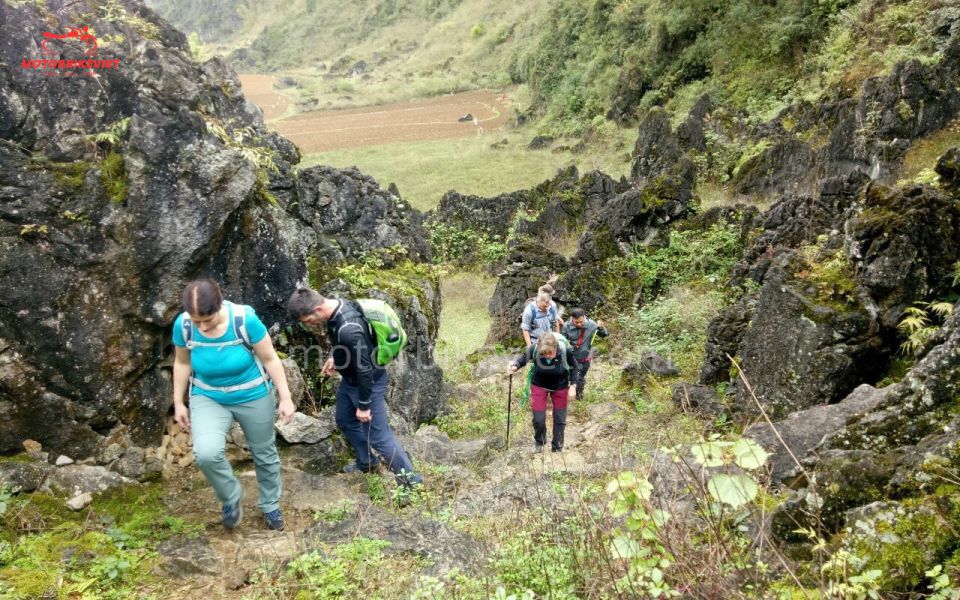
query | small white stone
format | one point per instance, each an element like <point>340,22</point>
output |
<point>78,502</point>
<point>64,460</point>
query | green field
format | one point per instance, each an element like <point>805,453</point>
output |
<point>464,321</point>
<point>424,171</point>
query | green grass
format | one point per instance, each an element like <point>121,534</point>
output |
<point>925,152</point>
<point>424,171</point>
<point>464,321</point>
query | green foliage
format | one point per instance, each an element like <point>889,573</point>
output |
<point>464,246</point>
<point>639,541</point>
<point>706,256</point>
<point>114,11</point>
<point>831,276</point>
<point>920,322</point>
<point>104,551</point>
<point>113,176</point>
<point>474,418</point>
<point>478,30</point>
<point>340,573</point>
<point>526,561</point>
<point>376,488</point>
<point>246,141</point>
<point>336,512</point>
<point>674,325</point>
<point>112,135</point>
<point>733,489</point>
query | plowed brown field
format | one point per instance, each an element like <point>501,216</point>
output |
<point>430,119</point>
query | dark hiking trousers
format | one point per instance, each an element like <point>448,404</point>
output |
<point>580,377</point>
<point>375,435</point>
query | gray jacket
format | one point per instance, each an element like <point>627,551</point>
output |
<point>582,339</point>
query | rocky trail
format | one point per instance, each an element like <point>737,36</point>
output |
<point>466,479</point>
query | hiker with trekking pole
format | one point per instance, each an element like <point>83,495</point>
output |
<point>551,360</point>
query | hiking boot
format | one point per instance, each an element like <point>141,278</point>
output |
<point>538,448</point>
<point>232,514</point>
<point>355,468</point>
<point>556,449</point>
<point>274,520</point>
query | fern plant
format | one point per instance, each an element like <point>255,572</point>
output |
<point>920,323</point>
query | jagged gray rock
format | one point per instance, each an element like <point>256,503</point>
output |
<point>174,195</point>
<point>185,557</point>
<point>304,429</point>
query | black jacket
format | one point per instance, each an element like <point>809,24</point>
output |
<point>550,374</point>
<point>353,350</point>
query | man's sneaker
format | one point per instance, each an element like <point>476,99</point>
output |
<point>556,449</point>
<point>538,448</point>
<point>274,520</point>
<point>232,513</point>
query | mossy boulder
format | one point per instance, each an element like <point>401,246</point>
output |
<point>799,351</point>
<point>905,243</point>
<point>948,168</point>
<point>902,539</point>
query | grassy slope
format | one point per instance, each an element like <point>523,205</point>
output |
<point>424,171</point>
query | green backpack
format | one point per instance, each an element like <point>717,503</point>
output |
<point>385,328</point>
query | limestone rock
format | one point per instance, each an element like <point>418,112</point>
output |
<point>185,557</point>
<point>304,429</point>
<point>79,502</point>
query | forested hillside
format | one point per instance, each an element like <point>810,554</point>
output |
<point>584,61</point>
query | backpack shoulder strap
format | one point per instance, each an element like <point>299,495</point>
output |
<point>240,325</point>
<point>186,326</point>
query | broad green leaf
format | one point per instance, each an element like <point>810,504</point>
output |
<point>625,547</point>
<point>622,482</point>
<point>735,490</point>
<point>748,454</point>
<point>709,454</point>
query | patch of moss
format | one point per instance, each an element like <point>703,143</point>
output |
<point>113,176</point>
<point>902,540</point>
<point>831,277</point>
<point>70,175</point>
<point>16,458</point>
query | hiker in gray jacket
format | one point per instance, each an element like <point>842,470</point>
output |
<point>580,331</point>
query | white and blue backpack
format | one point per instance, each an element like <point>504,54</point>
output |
<point>241,335</point>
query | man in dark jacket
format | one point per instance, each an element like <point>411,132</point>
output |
<point>361,410</point>
<point>580,331</point>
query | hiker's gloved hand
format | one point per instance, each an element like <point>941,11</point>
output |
<point>364,416</point>
<point>328,369</point>
<point>286,410</point>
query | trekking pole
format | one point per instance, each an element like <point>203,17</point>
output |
<point>509,399</point>
<point>323,379</point>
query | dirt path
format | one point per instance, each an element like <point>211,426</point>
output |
<point>259,90</point>
<point>419,120</point>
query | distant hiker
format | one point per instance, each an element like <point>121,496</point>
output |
<point>476,123</point>
<point>559,310</point>
<point>226,365</point>
<point>361,409</point>
<point>552,362</point>
<point>580,331</point>
<point>538,317</point>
